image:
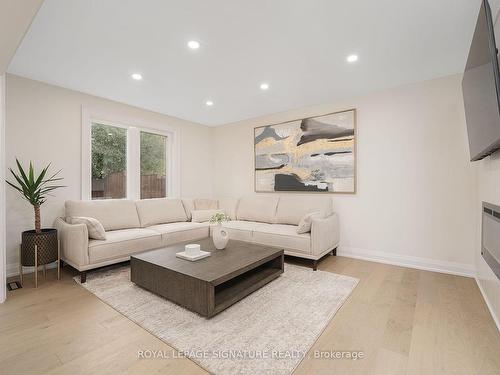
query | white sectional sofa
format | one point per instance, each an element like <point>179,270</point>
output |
<point>133,227</point>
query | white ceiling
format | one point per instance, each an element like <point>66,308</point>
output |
<point>298,46</point>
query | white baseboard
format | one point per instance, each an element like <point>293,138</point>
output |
<point>488,303</point>
<point>13,269</point>
<point>426,264</point>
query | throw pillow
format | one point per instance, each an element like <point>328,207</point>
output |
<point>306,222</point>
<point>94,227</point>
<point>202,216</point>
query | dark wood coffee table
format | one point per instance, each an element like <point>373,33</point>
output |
<point>212,284</point>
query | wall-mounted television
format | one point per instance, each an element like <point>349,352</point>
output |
<point>481,88</point>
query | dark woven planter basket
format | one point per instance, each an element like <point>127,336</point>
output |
<point>47,247</point>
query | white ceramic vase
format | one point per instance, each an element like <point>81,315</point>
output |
<point>220,237</point>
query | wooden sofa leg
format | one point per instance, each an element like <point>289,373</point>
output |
<point>83,276</point>
<point>315,265</point>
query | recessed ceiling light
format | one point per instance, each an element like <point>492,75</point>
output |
<point>136,76</point>
<point>264,86</point>
<point>352,58</point>
<point>193,44</point>
<point>209,103</point>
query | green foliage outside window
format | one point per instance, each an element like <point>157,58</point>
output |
<point>109,151</point>
<point>153,158</point>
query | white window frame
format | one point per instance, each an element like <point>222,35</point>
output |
<point>133,126</point>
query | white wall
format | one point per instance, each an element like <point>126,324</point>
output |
<point>489,191</point>
<point>43,124</point>
<point>2,191</point>
<point>416,187</point>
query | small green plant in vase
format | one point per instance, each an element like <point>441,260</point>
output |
<point>219,218</point>
<point>219,233</point>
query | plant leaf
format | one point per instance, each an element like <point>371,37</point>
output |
<point>20,181</point>
<point>31,172</point>
<point>42,175</point>
<point>51,178</point>
<point>14,186</point>
<point>50,188</point>
<point>21,171</point>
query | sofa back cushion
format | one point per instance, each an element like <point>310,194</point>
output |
<point>205,204</point>
<point>260,208</point>
<point>112,214</point>
<point>292,208</point>
<point>229,206</point>
<point>160,211</point>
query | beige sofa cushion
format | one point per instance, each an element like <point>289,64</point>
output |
<point>159,211</point>
<point>260,208</point>
<point>122,243</point>
<point>292,208</point>
<point>182,231</point>
<point>203,216</point>
<point>205,204</point>
<point>112,214</point>
<point>284,236</point>
<point>240,230</point>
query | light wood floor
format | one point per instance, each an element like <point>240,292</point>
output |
<point>405,321</point>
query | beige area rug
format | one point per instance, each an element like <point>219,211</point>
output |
<point>268,332</point>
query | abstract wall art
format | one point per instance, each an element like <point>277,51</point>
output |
<point>316,154</point>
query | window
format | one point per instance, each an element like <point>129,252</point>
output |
<point>153,165</point>
<point>124,158</point>
<point>109,162</point>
